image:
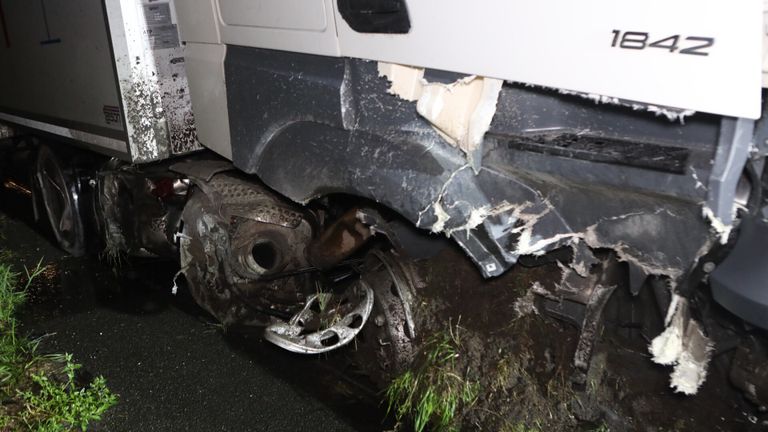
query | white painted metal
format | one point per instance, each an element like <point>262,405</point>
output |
<point>566,44</point>
<point>116,146</point>
<point>58,74</point>
<point>561,44</point>
<point>205,68</point>
<point>299,15</point>
<point>198,21</point>
<point>765,43</point>
<point>55,66</point>
<point>305,26</point>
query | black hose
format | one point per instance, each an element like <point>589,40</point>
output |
<point>755,201</point>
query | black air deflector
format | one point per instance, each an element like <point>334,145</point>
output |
<point>605,150</point>
<point>376,16</point>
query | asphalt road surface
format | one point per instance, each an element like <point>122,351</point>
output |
<point>172,367</point>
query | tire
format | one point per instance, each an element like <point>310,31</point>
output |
<point>61,201</point>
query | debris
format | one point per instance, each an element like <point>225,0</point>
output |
<point>684,346</point>
<point>591,327</point>
<point>407,81</point>
<point>327,321</point>
<point>175,287</point>
<point>442,218</point>
<point>339,240</point>
<point>538,288</point>
<point>672,114</point>
<point>717,224</point>
<point>460,111</point>
<point>699,184</point>
<point>526,304</point>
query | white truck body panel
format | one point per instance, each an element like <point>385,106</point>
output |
<point>107,74</point>
<point>552,43</point>
<point>205,67</point>
<point>59,77</point>
<point>568,45</point>
<point>306,26</point>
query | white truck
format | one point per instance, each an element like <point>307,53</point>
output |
<point>598,135</point>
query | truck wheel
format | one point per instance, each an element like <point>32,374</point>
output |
<point>60,197</point>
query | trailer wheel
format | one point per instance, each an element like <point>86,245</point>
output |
<point>60,197</point>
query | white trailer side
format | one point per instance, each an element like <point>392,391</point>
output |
<point>106,74</point>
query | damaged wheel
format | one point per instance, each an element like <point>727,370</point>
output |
<point>390,337</point>
<point>328,321</point>
<point>60,196</point>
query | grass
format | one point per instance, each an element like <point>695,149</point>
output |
<point>40,393</point>
<point>520,427</point>
<point>433,393</point>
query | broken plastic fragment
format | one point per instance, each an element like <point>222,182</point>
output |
<point>672,114</point>
<point>691,370</point>
<point>442,217</point>
<point>407,81</point>
<point>526,304</point>
<point>460,111</point>
<point>717,224</point>
<point>684,345</point>
<point>175,287</point>
<point>668,346</point>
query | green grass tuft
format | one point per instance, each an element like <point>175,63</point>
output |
<point>40,392</point>
<point>433,393</point>
<point>520,427</point>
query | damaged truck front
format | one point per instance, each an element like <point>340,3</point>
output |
<point>347,140</point>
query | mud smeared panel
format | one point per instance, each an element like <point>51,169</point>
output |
<point>159,112</point>
<point>149,63</point>
<point>176,101</point>
<point>144,112</point>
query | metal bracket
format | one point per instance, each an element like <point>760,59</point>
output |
<point>732,152</point>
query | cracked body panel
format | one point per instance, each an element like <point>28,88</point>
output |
<point>557,169</point>
<point>338,113</point>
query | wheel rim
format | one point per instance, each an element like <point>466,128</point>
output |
<point>59,202</point>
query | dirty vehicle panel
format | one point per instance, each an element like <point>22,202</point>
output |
<point>109,75</point>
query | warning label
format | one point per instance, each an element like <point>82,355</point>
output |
<point>161,31</point>
<point>157,14</point>
<point>163,36</point>
<point>111,114</point>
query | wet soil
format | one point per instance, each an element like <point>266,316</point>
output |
<point>523,363</point>
<point>172,366</point>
